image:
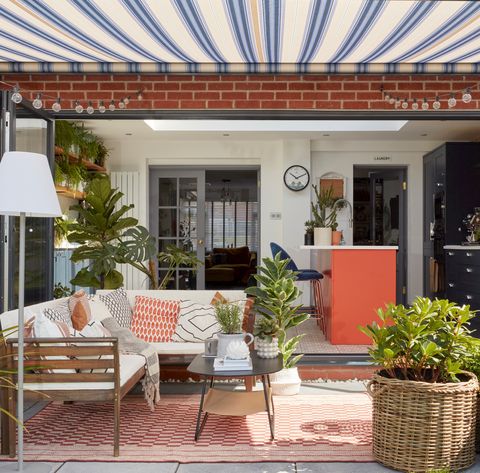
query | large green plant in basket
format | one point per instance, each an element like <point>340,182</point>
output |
<point>424,404</point>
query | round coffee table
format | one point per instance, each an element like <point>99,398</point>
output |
<point>235,403</point>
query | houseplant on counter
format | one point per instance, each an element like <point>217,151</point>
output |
<point>229,317</point>
<point>309,230</point>
<point>275,301</point>
<point>424,405</point>
<point>324,215</point>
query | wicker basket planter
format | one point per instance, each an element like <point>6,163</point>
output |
<point>420,426</point>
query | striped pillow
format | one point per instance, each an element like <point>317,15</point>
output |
<point>196,323</point>
<point>118,305</point>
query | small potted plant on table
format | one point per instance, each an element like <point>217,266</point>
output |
<point>275,302</point>
<point>266,337</point>
<point>424,404</point>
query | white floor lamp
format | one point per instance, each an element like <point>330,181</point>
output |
<point>26,190</point>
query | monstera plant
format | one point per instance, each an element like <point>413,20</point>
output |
<point>107,237</point>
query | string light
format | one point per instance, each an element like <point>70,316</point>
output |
<point>425,104</point>
<point>467,96</point>
<point>452,101</point>
<point>436,105</point>
<point>405,104</point>
<point>397,102</point>
<point>90,108</point>
<point>37,103</point>
<point>414,104</point>
<point>126,100</point>
<point>140,95</point>
<point>101,107</point>
<point>78,107</point>
<point>16,96</point>
<point>121,104</point>
<point>391,101</point>
<point>111,107</point>
<point>56,107</point>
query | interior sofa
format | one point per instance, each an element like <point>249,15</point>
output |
<point>232,266</point>
<point>87,369</point>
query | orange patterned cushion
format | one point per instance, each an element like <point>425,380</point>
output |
<point>79,310</point>
<point>154,320</point>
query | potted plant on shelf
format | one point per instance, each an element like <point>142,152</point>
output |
<point>324,215</point>
<point>309,229</point>
<point>229,317</point>
<point>424,404</point>
<point>275,301</point>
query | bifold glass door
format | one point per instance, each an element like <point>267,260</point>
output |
<point>177,217</point>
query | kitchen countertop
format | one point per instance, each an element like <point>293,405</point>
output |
<point>349,247</point>
<point>461,247</point>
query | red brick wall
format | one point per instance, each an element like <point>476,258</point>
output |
<point>262,91</point>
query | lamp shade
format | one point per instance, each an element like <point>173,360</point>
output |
<point>26,185</point>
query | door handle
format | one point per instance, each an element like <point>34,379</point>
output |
<point>200,242</point>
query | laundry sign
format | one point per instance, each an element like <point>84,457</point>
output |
<point>382,158</point>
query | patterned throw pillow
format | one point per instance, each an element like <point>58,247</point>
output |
<point>119,307</point>
<point>196,323</point>
<point>59,313</point>
<point>245,305</point>
<point>79,310</point>
<point>154,320</point>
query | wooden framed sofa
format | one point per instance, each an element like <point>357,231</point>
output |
<point>84,369</point>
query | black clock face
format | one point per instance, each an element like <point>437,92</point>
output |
<point>296,178</point>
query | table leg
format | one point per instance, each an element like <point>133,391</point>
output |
<point>199,427</point>
<point>271,397</point>
<point>268,403</point>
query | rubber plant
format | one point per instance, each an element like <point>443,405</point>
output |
<point>108,237</point>
<point>275,301</point>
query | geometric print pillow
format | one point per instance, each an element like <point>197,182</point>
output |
<point>196,323</point>
<point>154,320</point>
<point>59,313</point>
<point>118,305</point>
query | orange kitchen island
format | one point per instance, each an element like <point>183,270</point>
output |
<point>357,281</point>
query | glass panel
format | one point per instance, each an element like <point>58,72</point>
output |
<point>163,242</point>
<point>186,279</point>
<point>162,274</point>
<point>31,135</point>
<point>167,222</point>
<point>188,213</point>
<point>167,192</point>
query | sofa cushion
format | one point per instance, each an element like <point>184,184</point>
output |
<point>80,313</point>
<point>154,320</point>
<point>196,323</point>
<point>179,348</point>
<point>119,307</point>
<point>60,312</point>
<point>240,255</point>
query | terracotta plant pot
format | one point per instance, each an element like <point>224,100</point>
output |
<point>336,237</point>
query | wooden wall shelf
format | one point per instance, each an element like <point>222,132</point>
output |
<point>73,158</point>
<point>69,193</point>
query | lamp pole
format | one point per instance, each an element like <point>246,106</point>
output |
<point>21,324</point>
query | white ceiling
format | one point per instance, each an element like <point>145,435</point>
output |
<point>421,130</point>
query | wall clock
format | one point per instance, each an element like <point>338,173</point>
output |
<point>296,178</point>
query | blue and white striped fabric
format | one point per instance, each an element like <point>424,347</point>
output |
<point>293,36</point>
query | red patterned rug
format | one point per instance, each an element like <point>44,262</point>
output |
<point>308,428</point>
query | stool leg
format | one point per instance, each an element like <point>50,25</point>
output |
<point>318,301</point>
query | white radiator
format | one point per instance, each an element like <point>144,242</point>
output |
<point>127,183</point>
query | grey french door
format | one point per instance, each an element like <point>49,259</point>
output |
<point>177,217</point>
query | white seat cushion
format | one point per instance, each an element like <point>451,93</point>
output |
<point>178,348</point>
<point>129,365</point>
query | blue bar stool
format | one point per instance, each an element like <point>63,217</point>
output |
<point>315,277</point>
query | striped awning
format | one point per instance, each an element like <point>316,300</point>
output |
<point>297,36</point>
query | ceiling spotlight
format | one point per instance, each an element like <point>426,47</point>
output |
<point>16,96</point>
<point>90,108</point>
<point>387,97</point>
<point>37,103</point>
<point>467,96</point>
<point>415,104</point>
<point>452,101</point>
<point>405,104</point>
<point>111,107</point>
<point>436,105</point>
<point>78,107</point>
<point>425,104</point>
<point>56,107</point>
<point>101,107</point>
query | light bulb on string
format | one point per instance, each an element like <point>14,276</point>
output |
<point>415,104</point>
<point>436,105</point>
<point>452,101</point>
<point>37,103</point>
<point>121,104</point>
<point>467,96</point>
<point>56,107</point>
<point>391,100</point>
<point>78,107</point>
<point>90,108</point>
<point>140,95</point>
<point>126,100</point>
<point>387,97</point>
<point>397,102</point>
<point>425,104</point>
<point>405,104</point>
<point>16,96</point>
<point>101,106</point>
<point>111,107</point>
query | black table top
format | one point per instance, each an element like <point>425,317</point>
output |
<point>204,366</point>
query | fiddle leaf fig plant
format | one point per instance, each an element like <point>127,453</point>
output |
<point>428,341</point>
<point>107,237</point>
<point>275,301</point>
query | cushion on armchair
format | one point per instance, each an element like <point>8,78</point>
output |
<point>240,255</point>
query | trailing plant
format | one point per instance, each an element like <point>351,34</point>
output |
<point>428,341</point>
<point>60,291</point>
<point>107,238</point>
<point>172,257</point>
<point>323,212</point>
<point>229,317</point>
<point>275,300</point>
